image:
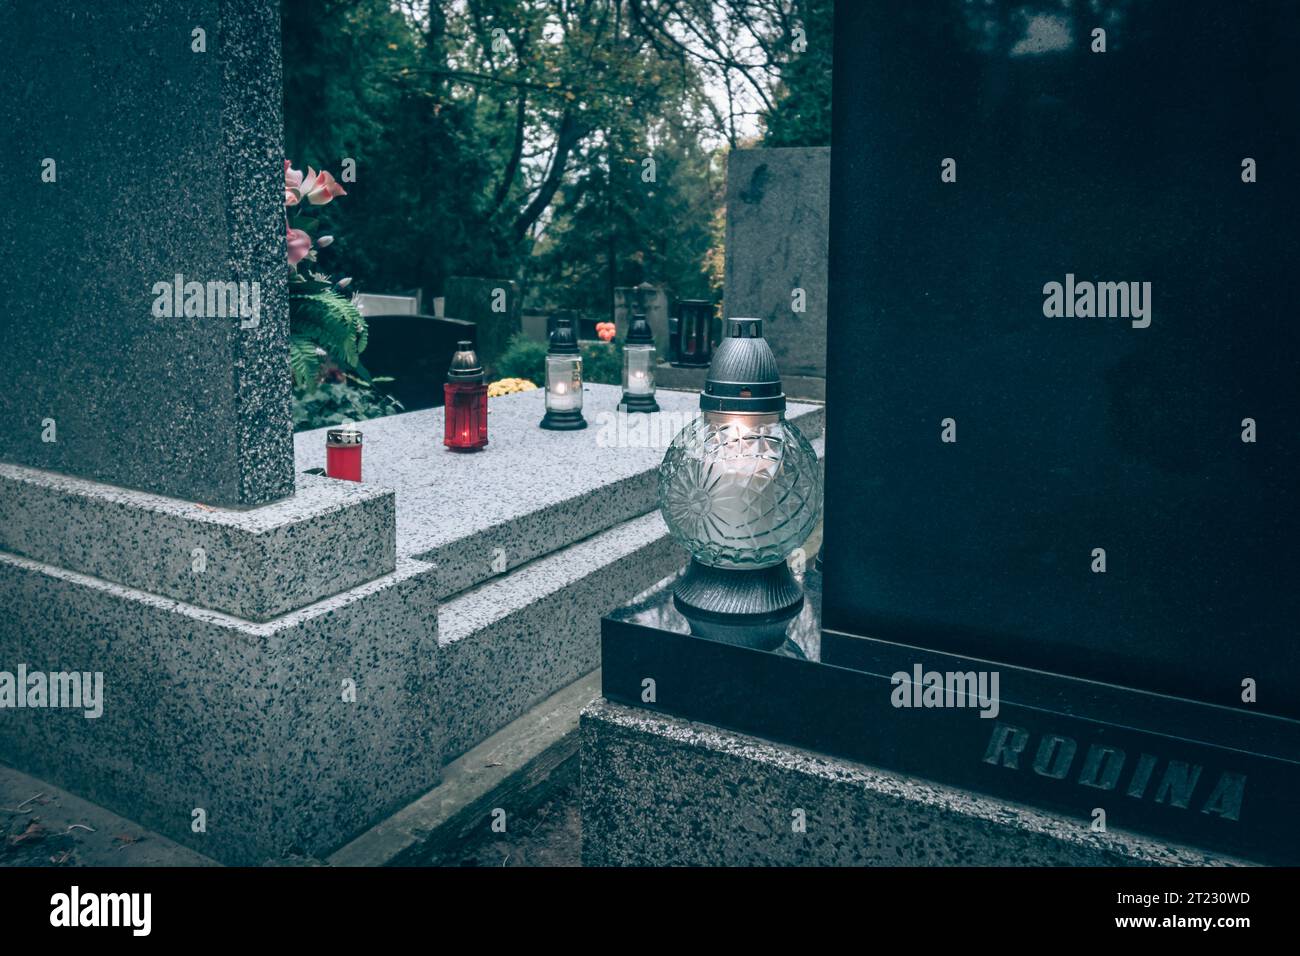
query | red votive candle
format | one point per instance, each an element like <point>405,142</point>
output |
<point>343,453</point>
<point>465,406</point>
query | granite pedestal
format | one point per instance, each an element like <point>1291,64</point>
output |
<point>308,681</point>
<point>662,791</point>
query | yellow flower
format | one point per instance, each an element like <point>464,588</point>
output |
<point>510,386</point>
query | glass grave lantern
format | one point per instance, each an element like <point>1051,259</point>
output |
<point>740,488</point>
<point>465,408</point>
<point>691,337</point>
<point>563,380</point>
<point>639,368</point>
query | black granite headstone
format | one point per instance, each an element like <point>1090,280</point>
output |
<point>1064,360</point>
<point>415,351</point>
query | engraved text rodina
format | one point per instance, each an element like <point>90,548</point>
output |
<point>1101,300</point>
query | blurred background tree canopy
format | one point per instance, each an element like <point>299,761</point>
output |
<point>510,137</point>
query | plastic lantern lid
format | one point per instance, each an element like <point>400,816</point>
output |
<point>563,340</point>
<point>743,376</point>
<point>465,366</point>
<point>639,333</point>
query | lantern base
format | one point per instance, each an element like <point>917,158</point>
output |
<point>567,420</point>
<point>746,606</point>
<point>638,403</point>
<point>689,363</point>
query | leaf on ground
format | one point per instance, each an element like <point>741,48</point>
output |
<point>33,833</point>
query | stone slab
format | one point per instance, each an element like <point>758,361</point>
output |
<point>531,491</point>
<point>167,162</point>
<point>778,240</point>
<point>255,564</point>
<point>508,644</point>
<point>251,723</point>
<point>369,303</point>
<point>660,791</point>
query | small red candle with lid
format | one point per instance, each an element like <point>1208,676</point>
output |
<point>343,453</point>
<point>466,404</point>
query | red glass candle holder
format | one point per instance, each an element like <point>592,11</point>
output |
<point>466,403</point>
<point>343,453</point>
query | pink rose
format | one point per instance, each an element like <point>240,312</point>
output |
<point>319,188</point>
<point>299,245</point>
<point>292,184</point>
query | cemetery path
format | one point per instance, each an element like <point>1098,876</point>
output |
<point>41,825</point>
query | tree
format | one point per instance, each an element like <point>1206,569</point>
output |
<point>510,137</point>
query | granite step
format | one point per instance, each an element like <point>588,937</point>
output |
<point>255,563</point>
<point>506,645</point>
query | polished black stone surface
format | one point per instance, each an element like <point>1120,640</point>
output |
<point>1191,772</point>
<point>1073,433</point>
<point>656,609</point>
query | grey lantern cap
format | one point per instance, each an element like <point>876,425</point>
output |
<point>639,333</point>
<point>743,376</point>
<point>563,340</point>
<point>465,366</point>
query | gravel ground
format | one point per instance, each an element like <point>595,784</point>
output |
<point>548,835</point>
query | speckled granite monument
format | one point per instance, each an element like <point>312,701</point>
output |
<point>142,232</point>
<point>226,624</point>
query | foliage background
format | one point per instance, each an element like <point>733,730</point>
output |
<point>508,137</point>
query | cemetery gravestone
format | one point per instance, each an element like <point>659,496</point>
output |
<point>369,304</point>
<point>1057,542</point>
<point>142,232</point>
<point>415,352</point>
<point>778,204</point>
<point>1065,380</point>
<point>647,298</point>
<point>223,606</point>
<point>1073,485</point>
